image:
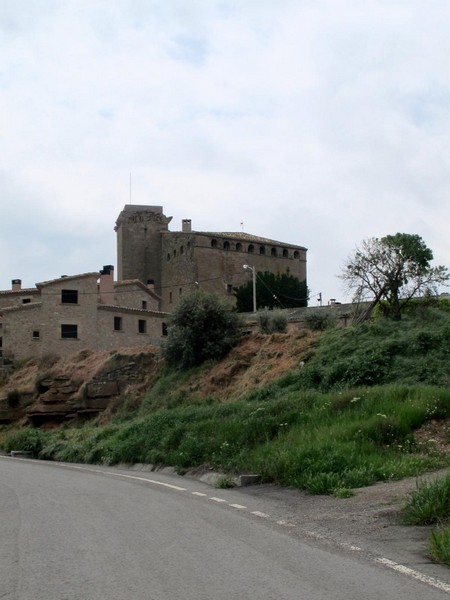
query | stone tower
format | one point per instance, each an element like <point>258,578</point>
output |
<point>139,231</point>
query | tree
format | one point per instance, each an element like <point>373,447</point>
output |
<point>392,270</point>
<point>272,291</point>
<point>201,327</point>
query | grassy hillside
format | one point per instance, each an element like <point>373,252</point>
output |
<point>346,418</point>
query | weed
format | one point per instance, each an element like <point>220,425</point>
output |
<point>429,503</point>
<point>439,545</point>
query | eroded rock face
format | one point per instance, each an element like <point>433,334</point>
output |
<point>84,385</point>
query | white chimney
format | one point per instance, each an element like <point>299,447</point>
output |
<point>16,285</point>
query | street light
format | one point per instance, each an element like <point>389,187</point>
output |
<point>253,270</point>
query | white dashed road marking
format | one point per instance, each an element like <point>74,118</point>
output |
<point>436,583</point>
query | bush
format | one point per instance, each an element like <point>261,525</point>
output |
<point>319,321</point>
<point>272,321</point>
<point>201,327</point>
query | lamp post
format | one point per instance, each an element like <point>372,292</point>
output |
<point>253,270</point>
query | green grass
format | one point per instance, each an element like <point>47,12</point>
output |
<point>429,504</point>
<point>322,443</point>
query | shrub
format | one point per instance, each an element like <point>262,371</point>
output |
<point>201,327</point>
<point>272,321</point>
<point>319,321</point>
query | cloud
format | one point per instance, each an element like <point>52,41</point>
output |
<point>317,123</point>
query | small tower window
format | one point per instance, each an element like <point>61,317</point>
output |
<point>296,254</point>
<point>251,248</point>
<point>262,250</point>
<point>239,247</point>
<point>285,253</point>
<point>273,252</point>
<point>142,326</point>
<point>213,243</point>
<point>226,245</point>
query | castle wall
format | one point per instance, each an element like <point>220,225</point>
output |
<point>216,263</point>
<point>139,243</point>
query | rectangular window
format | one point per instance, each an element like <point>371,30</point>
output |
<point>180,291</point>
<point>117,323</point>
<point>142,326</point>
<point>170,297</point>
<point>144,304</point>
<point>36,335</point>
<point>26,300</point>
<point>69,296</point>
<point>69,331</point>
<point>164,329</point>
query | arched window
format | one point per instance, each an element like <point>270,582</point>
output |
<point>182,250</point>
<point>226,245</point>
<point>168,256</point>
<point>239,247</point>
<point>213,243</point>
<point>296,254</point>
<point>262,249</point>
<point>273,252</point>
<point>174,253</point>
<point>251,248</point>
<point>285,253</point>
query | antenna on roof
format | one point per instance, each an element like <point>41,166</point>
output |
<point>242,225</point>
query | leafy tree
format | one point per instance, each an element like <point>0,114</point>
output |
<point>272,291</point>
<point>201,327</point>
<point>391,270</point>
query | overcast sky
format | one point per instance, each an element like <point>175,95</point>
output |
<point>315,122</point>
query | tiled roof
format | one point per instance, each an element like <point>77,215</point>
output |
<point>241,236</point>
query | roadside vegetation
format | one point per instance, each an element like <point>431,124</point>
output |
<point>344,418</point>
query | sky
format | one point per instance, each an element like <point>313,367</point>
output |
<point>319,123</point>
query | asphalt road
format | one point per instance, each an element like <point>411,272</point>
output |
<point>90,533</point>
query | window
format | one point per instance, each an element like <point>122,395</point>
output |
<point>36,335</point>
<point>164,328</point>
<point>180,292</point>
<point>117,323</point>
<point>262,250</point>
<point>285,253</point>
<point>182,250</point>
<point>168,256</point>
<point>251,249</point>
<point>69,331</point>
<point>226,245</point>
<point>213,243</point>
<point>144,304</point>
<point>26,300</point>
<point>296,254</point>
<point>239,247</point>
<point>229,288</point>
<point>69,296</point>
<point>170,297</point>
<point>142,326</point>
<point>273,252</point>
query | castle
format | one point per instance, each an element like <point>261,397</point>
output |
<point>156,267</point>
<point>177,262</point>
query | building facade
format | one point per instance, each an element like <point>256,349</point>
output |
<point>177,262</point>
<point>69,314</point>
<point>156,267</point>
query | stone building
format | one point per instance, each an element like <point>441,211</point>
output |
<point>156,267</point>
<point>177,262</point>
<point>68,314</point>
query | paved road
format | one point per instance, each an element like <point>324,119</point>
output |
<point>94,534</point>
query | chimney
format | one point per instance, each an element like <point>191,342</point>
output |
<point>107,285</point>
<point>186,225</point>
<point>16,285</point>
